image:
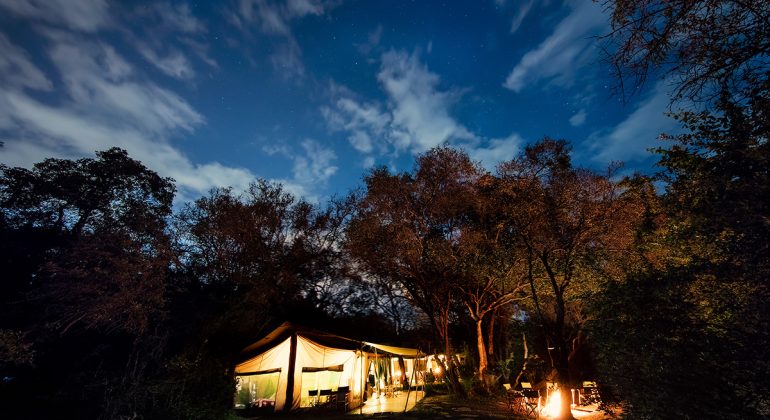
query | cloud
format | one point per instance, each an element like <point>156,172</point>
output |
<point>496,151</point>
<point>81,15</point>
<point>274,18</point>
<point>179,17</point>
<point>174,63</point>
<point>18,70</point>
<point>414,117</point>
<point>521,13</point>
<point>631,138</point>
<point>312,167</point>
<point>563,52</point>
<point>315,166</point>
<point>419,110</point>
<point>169,27</point>
<point>364,121</point>
<point>578,119</point>
<point>372,41</point>
<point>102,101</point>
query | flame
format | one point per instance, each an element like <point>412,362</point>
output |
<point>553,405</point>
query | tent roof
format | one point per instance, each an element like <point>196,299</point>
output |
<point>398,351</point>
<point>285,330</point>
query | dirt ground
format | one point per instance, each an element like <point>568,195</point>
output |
<point>439,407</point>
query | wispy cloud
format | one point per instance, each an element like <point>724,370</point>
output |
<point>639,131</point>
<point>494,151</point>
<point>274,18</point>
<point>18,69</point>
<point>80,15</point>
<point>316,165</point>
<point>578,119</point>
<point>420,110</point>
<point>365,122</point>
<point>372,41</point>
<point>312,167</point>
<point>521,13</point>
<point>415,116</point>
<point>167,22</point>
<point>102,101</point>
<point>559,56</point>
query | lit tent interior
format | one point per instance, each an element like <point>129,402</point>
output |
<point>281,369</point>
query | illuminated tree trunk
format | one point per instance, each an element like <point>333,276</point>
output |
<point>491,337</point>
<point>482,349</point>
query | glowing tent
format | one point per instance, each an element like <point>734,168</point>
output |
<point>290,366</point>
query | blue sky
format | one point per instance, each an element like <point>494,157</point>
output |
<point>311,93</point>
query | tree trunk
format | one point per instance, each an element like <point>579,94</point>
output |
<point>491,336</point>
<point>450,370</point>
<point>526,359</point>
<point>482,349</point>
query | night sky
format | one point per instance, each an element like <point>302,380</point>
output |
<point>312,93</point>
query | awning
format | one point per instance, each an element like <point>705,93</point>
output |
<point>398,351</point>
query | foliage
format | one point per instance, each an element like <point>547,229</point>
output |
<point>705,47</point>
<point>573,229</point>
<point>89,289</point>
<point>698,310</point>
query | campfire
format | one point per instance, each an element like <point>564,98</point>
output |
<point>552,404</point>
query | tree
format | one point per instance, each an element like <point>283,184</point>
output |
<point>710,271</point>
<point>91,282</point>
<point>704,296</point>
<point>434,233</point>
<point>705,47</point>
<point>404,229</point>
<point>262,256</point>
<point>575,228</point>
<point>492,272</point>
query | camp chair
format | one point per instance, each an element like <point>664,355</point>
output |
<point>325,396</point>
<point>512,397</point>
<point>314,395</point>
<point>530,400</point>
<point>339,399</point>
<point>589,394</point>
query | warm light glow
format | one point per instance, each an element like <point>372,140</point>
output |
<point>553,405</point>
<point>436,370</point>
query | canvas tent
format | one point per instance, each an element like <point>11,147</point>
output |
<point>282,368</point>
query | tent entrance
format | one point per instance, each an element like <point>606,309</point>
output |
<point>318,383</point>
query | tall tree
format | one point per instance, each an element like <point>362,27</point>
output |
<point>403,231</point>
<point>704,47</point>
<point>93,236</point>
<point>434,232</point>
<point>574,227</point>
<point>711,274</point>
<point>704,296</point>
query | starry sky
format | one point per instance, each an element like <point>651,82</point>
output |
<point>312,93</point>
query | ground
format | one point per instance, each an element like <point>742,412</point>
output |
<point>439,407</point>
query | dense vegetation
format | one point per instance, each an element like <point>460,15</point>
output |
<point>114,304</point>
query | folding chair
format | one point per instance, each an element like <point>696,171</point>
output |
<point>313,394</point>
<point>530,401</point>
<point>340,398</point>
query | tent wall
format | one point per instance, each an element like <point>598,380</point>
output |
<point>313,355</point>
<point>275,358</point>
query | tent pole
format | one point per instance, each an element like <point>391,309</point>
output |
<point>363,387</point>
<point>289,402</point>
<point>411,381</point>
